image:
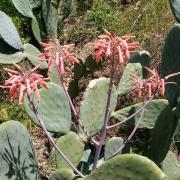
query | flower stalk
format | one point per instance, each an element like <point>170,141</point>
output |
<point>35,111</point>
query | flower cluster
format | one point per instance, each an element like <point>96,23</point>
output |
<point>149,86</point>
<point>21,82</point>
<point>110,45</point>
<point>57,54</point>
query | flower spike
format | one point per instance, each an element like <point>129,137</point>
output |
<point>50,54</point>
<point>24,82</point>
<point>109,45</point>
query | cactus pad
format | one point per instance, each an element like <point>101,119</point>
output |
<point>53,108</point>
<point>8,32</point>
<point>170,64</point>
<point>125,84</point>
<point>72,147</point>
<point>32,54</point>
<point>62,174</point>
<point>175,4</point>
<point>24,7</point>
<point>36,29</point>
<point>17,155</point>
<point>162,135</point>
<point>35,3</point>
<point>12,58</point>
<point>92,107</point>
<point>170,164</point>
<point>50,10</point>
<point>127,167</point>
<point>112,146</point>
<point>142,57</point>
<point>151,113</point>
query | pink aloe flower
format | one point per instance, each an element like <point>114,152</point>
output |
<point>24,82</point>
<point>149,86</point>
<point>110,45</point>
<point>57,54</point>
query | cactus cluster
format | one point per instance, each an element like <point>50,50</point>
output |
<point>17,156</point>
<point>47,16</point>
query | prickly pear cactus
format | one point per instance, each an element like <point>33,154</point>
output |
<point>175,7</point>
<point>92,107</point>
<point>162,135</point>
<point>36,29</point>
<point>35,3</point>
<point>8,32</point>
<point>73,148</point>
<point>170,64</point>
<point>127,167</point>
<point>12,58</point>
<point>151,113</point>
<point>174,176</point>
<point>53,108</point>
<point>142,57</point>
<point>170,164</point>
<point>112,146</point>
<point>62,174</point>
<point>32,54</point>
<point>24,7</point>
<point>17,155</point>
<point>50,10</point>
<point>125,84</point>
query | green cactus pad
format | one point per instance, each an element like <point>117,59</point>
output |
<point>170,164</point>
<point>53,108</point>
<point>73,148</point>
<point>32,54</point>
<point>92,107</point>
<point>54,75</point>
<point>24,7</point>
<point>177,137</point>
<point>127,167</point>
<point>170,64</point>
<point>73,89</point>
<point>174,176</point>
<point>112,146</point>
<point>79,70</point>
<point>12,58</point>
<point>36,29</point>
<point>125,84</point>
<point>35,3</point>
<point>62,174</point>
<point>142,57</point>
<point>162,135</point>
<point>151,113</point>
<point>50,10</point>
<point>17,155</point>
<point>175,7</point>
<point>91,64</point>
<point>86,161</point>
<point>8,32</point>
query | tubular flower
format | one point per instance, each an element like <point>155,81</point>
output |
<point>149,86</point>
<point>24,82</point>
<point>57,54</point>
<point>109,46</point>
